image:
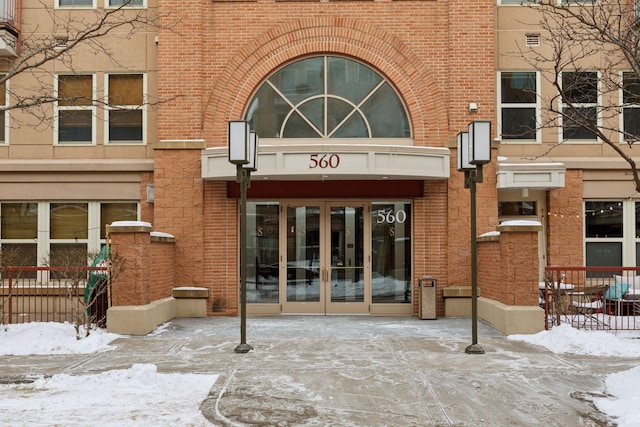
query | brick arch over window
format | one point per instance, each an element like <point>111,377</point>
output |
<point>369,44</point>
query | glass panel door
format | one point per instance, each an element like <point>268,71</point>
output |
<point>346,269</point>
<point>325,261</point>
<point>303,293</point>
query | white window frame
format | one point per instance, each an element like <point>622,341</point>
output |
<point>535,105</point>
<point>134,6</point>
<point>59,6</point>
<point>6,115</point>
<point>44,240</point>
<point>108,108</point>
<point>623,106</point>
<point>628,239</point>
<point>596,105</point>
<point>57,109</point>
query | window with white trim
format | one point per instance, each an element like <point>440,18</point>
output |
<point>4,114</point>
<point>580,100</point>
<point>75,109</point>
<point>32,232</point>
<point>76,3</point>
<point>630,106</point>
<point>125,108</point>
<point>327,97</point>
<point>519,109</point>
<point>612,230</point>
<point>125,3</point>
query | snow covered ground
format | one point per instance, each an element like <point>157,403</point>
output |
<point>148,397</point>
<point>622,386</point>
<point>138,395</point>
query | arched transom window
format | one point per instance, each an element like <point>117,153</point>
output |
<point>327,97</point>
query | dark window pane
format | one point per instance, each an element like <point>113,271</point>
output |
<point>267,111</point>
<point>75,126</point>
<point>301,79</point>
<point>20,254</point>
<point>631,89</point>
<point>519,87</point>
<point>110,212</point>
<point>263,254</point>
<point>603,219</point>
<point>76,2</point>
<point>350,79</point>
<point>573,123</point>
<point>386,115</point>
<point>580,87</point>
<point>354,127</point>
<point>19,220</point>
<point>297,127</point>
<point>391,252</point>
<point>69,220</point>
<point>631,123</point>
<point>125,125</point>
<point>519,123</point>
<point>313,110</point>
<point>604,254</point>
<point>516,208</point>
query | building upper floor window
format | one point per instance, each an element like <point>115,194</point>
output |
<point>3,113</point>
<point>327,97</point>
<point>518,106</point>
<point>75,110</point>
<point>126,3</point>
<point>31,232</point>
<point>630,106</point>
<point>125,108</point>
<point>579,103</point>
<point>76,3</point>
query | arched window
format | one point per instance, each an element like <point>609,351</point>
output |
<point>327,97</point>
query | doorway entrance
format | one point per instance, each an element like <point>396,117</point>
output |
<point>325,258</point>
<point>329,257</point>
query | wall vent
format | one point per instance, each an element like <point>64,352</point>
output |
<point>532,40</point>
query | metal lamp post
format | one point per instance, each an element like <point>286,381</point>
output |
<point>474,150</point>
<point>243,152</point>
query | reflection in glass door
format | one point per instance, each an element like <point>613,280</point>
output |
<point>329,257</point>
<point>303,259</point>
<point>346,268</point>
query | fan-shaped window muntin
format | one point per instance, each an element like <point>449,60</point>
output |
<point>327,97</point>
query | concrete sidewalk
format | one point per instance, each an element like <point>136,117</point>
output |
<point>358,371</point>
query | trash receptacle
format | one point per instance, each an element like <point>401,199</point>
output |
<point>427,306</point>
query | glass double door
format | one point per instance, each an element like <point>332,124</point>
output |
<point>325,260</point>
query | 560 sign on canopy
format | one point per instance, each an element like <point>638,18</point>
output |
<point>324,161</point>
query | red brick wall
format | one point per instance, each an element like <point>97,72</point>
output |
<point>148,269</point>
<point>508,268</point>
<point>162,267</point>
<point>178,210</point>
<point>221,53</point>
<point>565,222</point>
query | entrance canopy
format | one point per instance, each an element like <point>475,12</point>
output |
<point>321,162</point>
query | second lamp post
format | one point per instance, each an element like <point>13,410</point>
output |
<point>474,150</point>
<point>243,152</point>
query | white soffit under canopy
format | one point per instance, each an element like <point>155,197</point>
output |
<point>540,176</point>
<point>334,162</point>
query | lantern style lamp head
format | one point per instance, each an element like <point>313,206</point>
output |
<point>463,152</point>
<point>479,142</point>
<point>239,131</point>
<point>252,166</point>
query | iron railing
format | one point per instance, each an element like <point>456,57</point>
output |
<point>599,298</point>
<point>49,294</point>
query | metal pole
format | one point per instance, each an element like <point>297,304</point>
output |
<point>242,176</point>
<point>475,176</point>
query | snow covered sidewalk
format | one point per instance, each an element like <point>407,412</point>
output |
<point>316,371</point>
